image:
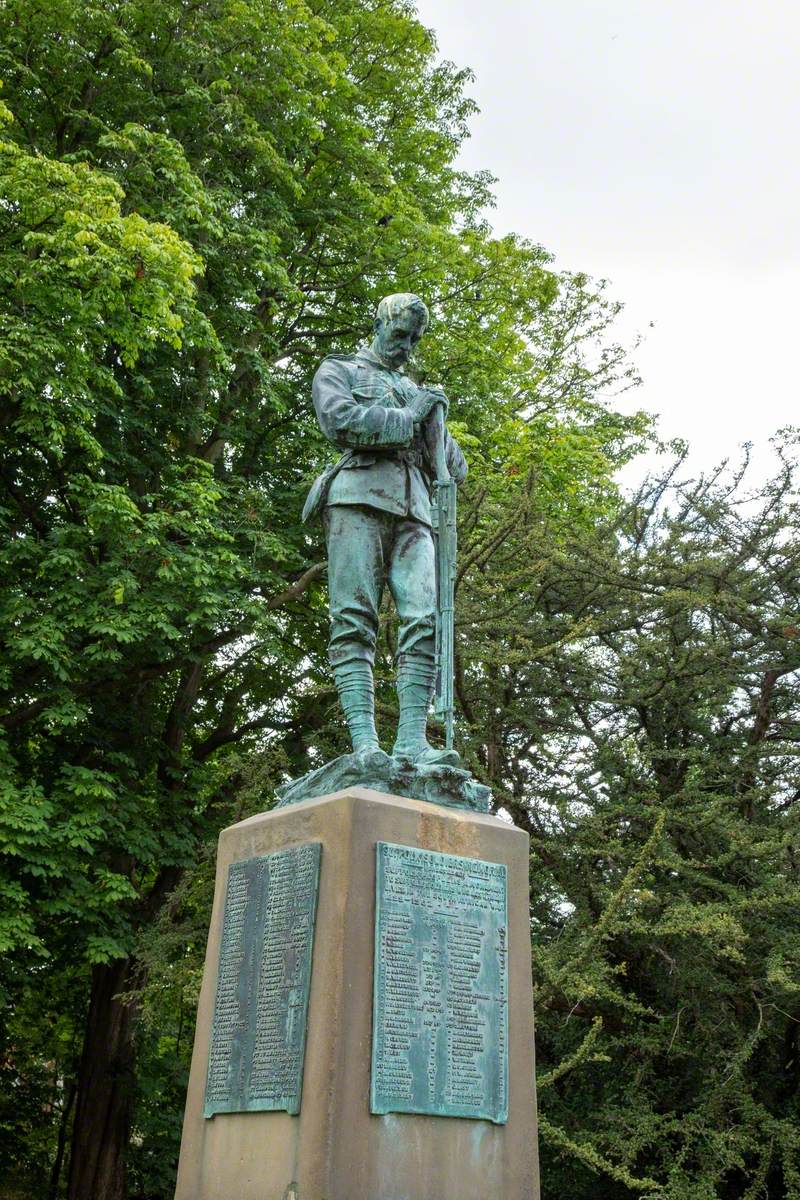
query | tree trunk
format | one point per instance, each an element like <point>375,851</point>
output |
<point>63,1126</point>
<point>105,1088</point>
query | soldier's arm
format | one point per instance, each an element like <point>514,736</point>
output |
<point>347,422</point>
<point>456,463</point>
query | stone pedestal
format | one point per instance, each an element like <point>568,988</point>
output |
<point>335,1148</point>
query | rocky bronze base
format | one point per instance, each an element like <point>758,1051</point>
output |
<point>452,787</point>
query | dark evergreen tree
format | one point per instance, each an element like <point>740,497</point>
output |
<point>631,691</point>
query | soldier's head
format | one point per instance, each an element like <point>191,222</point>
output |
<point>400,321</point>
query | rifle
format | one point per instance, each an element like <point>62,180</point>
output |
<point>444,529</point>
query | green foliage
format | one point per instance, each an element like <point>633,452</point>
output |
<point>627,687</point>
<point>153,481</point>
<point>197,203</point>
<point>629,690</point>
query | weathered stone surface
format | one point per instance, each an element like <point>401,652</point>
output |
<point>449,786</point>
<point>335,1149</point>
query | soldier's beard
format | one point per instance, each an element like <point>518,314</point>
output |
<point>393,357</point>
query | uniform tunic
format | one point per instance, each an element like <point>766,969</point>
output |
<point>378,515</point>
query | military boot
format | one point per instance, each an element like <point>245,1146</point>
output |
<point>356,690</point>
<point>415,685</point>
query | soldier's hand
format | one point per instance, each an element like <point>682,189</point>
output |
<point>439,398</point>
<point>424,400</point>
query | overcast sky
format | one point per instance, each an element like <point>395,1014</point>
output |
<point>656,145</point>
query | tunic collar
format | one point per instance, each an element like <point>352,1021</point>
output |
<point>368,355</point>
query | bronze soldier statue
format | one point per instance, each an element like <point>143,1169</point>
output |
<point>376,506</point>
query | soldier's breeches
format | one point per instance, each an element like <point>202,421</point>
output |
<point>368,549</point>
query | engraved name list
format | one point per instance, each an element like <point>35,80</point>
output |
<point>440,1011</point>
<point>259,1030</point>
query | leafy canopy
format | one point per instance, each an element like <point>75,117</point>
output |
<point>198,202</point>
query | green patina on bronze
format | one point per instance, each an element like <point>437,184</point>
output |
<point>389,510</point>
<point>440,1007</point>
<point>258,1035</point>
<point>451,787</point>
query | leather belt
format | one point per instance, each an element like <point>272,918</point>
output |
<point>412,458</point>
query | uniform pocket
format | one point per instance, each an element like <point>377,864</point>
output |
<point>372,394</point>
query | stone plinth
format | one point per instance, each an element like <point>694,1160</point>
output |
<point>335,1148</point>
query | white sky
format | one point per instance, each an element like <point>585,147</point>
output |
<point>655,144</point>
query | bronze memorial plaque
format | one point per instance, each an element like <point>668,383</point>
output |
<point>258,1036</point>
<point>440,1009</point>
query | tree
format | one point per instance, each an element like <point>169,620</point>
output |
<point>630,691</point>
<point>161,607</point>
<point>82,284</point>
<point>627,677</point>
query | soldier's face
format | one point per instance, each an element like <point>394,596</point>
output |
<point>395,340</point>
